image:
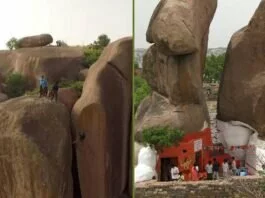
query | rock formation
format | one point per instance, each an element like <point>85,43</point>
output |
<point>68,96</point>
<point>102,123</point>
<point>82,74</point>
<point>3,97</point>
<point>53,62</point>
<point>242,90</point>
<point>35,149</point>
<point>173,65</point>
<point>35,41</point>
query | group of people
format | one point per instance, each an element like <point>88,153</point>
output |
<point>212,169</point>
<point>44,90</point>
<point>229,168</point>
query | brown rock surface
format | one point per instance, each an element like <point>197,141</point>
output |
<point>35,149</point>
<point>53,62</point>
<point>68,96</point>
<point>103,115</point>
<point>3,97</point>
<point>156,110</point>
<point>82,74</point>
<point>178,27</point>
<point>242,90</point>
<point>173,65</point>
<point>35,41</point>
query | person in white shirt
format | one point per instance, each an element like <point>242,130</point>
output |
<point>209,170</point>
<point>225,168</point>
<point>174,173</point>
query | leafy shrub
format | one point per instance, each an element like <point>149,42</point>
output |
<point>161,137</point>
<point>91,56</point>
<point>141,90</point>
<point>61,43</point>
<point>136,65</point>
<point>16,85</point>
<point>93,51</point>
<point>214,67</point>
<point>77,85</point>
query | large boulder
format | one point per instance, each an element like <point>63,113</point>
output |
<point>156,110</point>
<point>181,27</point>
<point>35,146</point>
<point>82,74</point>
<point>53,62</point>
<point>35,41</point>
<point>3,97</point>
<point>68,97</point>
<point>102,120</point>
<point>242,90</point>
<point>173,65</point>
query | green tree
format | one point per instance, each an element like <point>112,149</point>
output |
<point>213,68</point>
<point>16,85</point>
<point>61,43</point>
<point>91,56</point>
<point>93,51</point>
<point>141,91</point>
<point>161,137</point>
<point>136,64</point>
<point>12,43</point>
<point>102,41</point>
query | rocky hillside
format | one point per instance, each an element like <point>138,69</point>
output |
<point>79,146</point>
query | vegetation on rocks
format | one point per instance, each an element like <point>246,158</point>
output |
<point>61,43</point>
<point>141,90</point>
<point>16,85</point>
<point>12,43</point>
<point>214,67</point>
<point>93,51</point>
<point>77,85</point>
<point>161,137</point>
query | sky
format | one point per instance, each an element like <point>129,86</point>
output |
<point>230,16</point>
<point>77,22</point>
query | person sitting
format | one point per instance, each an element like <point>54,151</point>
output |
<point>181,177</point>
<point>174,172</point>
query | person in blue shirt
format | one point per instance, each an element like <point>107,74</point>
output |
<point>43,86</point>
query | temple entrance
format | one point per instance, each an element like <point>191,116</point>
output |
<point>165,174</point>
<point>198,159</point>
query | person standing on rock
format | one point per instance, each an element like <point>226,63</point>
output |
<point>43,86</point>
<point>54,91</point>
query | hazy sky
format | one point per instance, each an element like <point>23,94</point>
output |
<point>230,16</point>
<point>76,22</point>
